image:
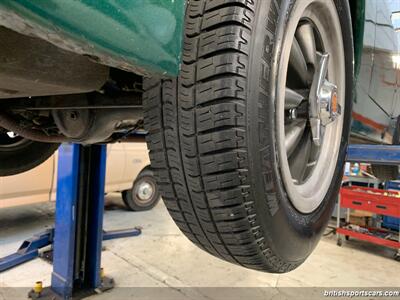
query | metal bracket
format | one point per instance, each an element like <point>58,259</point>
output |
<point>28,250</point>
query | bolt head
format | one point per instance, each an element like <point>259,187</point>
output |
<point>293,113</point>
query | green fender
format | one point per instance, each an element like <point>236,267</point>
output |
<point>144,36</point>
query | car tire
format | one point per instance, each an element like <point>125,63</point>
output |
<point>18,155</point>
<point>384,172</point>
<point>215,134</point>
<point>144,194</point>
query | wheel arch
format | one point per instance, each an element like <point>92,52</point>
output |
<point>145,167</point>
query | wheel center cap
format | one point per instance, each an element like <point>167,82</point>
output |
<point>145,191</point>
<point>328,103</point>
<point>323,106</point>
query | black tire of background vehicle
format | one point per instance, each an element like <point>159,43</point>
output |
<point>212,143</point>
<point>384,172</point>
<point>129,196</point>
<point>24,157</point>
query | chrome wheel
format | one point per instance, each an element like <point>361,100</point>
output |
<point>310,102</point>
<point>144,191</point>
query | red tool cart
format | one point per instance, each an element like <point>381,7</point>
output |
<point>380,202</point>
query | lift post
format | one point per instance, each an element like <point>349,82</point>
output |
<point>79,219</point>
<point>78,231</point>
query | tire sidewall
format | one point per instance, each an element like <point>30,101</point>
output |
<point>25,157</point>
<point>289,233</point>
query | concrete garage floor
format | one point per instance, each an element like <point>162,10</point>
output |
<point>163,257</point>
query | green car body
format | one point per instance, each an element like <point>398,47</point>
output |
<point>144,36</point>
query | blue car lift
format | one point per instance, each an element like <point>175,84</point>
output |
<point>374,154</point>
<point>78,232</point>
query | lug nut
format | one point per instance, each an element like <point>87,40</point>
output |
<point>293,113</point>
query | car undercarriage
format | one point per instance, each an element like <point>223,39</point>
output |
<point>51,95</point>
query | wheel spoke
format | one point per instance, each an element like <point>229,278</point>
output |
<point>292,98</point>
<point>293,134</point>
<point>310,118</point>
<point>314,154</point>
<point>306,39</point>
<point>297,64</point>
<point>300,158</point>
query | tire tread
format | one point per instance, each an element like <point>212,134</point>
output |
<point>197,137</point>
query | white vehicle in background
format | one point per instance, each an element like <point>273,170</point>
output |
<point>128,171</point>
